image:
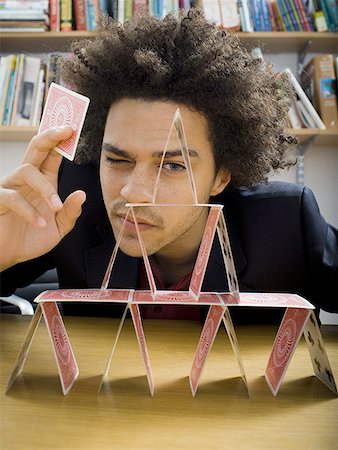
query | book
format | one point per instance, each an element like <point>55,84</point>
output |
<point>38,103</point>
<point>229,14</point>
<point>20,68</point>
<point>10,90</point>
<point>318,80</point>
<point>54,15</point>
<point>80,18</point>
<point>306,117</point>
<point>212,11</point>
<point>66,15</point>
<point>305,100</point>
<point>27,91</point>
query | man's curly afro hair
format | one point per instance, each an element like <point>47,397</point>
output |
<point>186,60</point>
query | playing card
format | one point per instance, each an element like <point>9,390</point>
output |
<point>319,359</point>
<point>64,108</point>
<point>206,340</point>
<point>185,152</point>
<point>83,295</point>
<point>136,317</point>
<point>273,299</point>
<point>64,356</point>
<point>177,123</point>
<point>204,252</point>
<point>234,343</point>
<point>147,265</point>
<point>227,256</point>
<point>22,356</point>
<point>287,338</point>
<point>105,373</point>
<point>110,266</point>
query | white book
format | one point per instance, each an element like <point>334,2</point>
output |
<point>305,100</point>
<point>229,14</point>
<point>37,107</point>
<point>17,5</point>
<point>294,119</point>
<point>212,11</point>
<point>306,117</point>
<point>120,11</point>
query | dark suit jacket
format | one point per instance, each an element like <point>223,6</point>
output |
<point>279,240</point>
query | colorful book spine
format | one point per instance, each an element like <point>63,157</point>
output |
<point>325,10</point>
<point>293,15</point>
<point>54,15</point>
<point>256,12</point>
<point>90,15</point>
<point>332,8</point>
<point>128,9</point>
<point>285,15</point>
<point>66,15</point>
<point>266,15</point>
<point>306,23</point>
<point>80,14</point>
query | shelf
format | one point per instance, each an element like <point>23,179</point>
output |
<point>323,137</point>
<point>271,42</point>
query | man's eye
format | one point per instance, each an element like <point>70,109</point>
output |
<point>173,167</point>
<point>116,162</point>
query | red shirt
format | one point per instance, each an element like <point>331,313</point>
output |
<point>166,311</point>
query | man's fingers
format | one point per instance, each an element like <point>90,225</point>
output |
<point>11,200</point>
<point>72,208</point>
<point>42,144</point>
<point>29,176</point>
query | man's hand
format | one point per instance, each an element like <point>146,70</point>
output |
<point>33,219</point>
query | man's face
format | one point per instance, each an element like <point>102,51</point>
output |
<point>135,136</point>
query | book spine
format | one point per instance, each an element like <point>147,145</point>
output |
<point>90,14</point>
<point>286,16</point>
<point>66,15</point>
<point>21,65</point>
<point>11,87</point>
<point>257,15</point>
<point>128,9</point>
<point>54,15</point>
<point>265,15</point>
<point>138,5</point>
<point>302,15</point>
<point>80,15</point>
<point>120,11</point>
<point>324,8</point>
<point>332,8</point>
<point>278,16</point>
<point>293,15</point>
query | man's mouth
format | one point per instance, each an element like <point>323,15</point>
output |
<point>130,225</point>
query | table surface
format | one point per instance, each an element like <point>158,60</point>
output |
<point>35,414</point>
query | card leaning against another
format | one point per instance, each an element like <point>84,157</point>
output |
<point>64,108</point>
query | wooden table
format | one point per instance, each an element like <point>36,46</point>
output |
<point>35,414</point>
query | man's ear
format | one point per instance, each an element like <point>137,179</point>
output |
<point>222,179</point>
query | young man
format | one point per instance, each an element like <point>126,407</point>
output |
<point>234,114</point>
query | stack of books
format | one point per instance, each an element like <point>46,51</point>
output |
<point>24,15</point>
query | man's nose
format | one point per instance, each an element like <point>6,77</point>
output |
<point>139,186</point>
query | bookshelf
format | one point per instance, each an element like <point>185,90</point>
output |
<point>271,42</point>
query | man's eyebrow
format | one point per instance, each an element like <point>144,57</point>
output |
<point>157,155</point>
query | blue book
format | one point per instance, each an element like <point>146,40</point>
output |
<point>332,8</point>
<point>256,12</point>
<point>266,16</point>
<point>285,15</point>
